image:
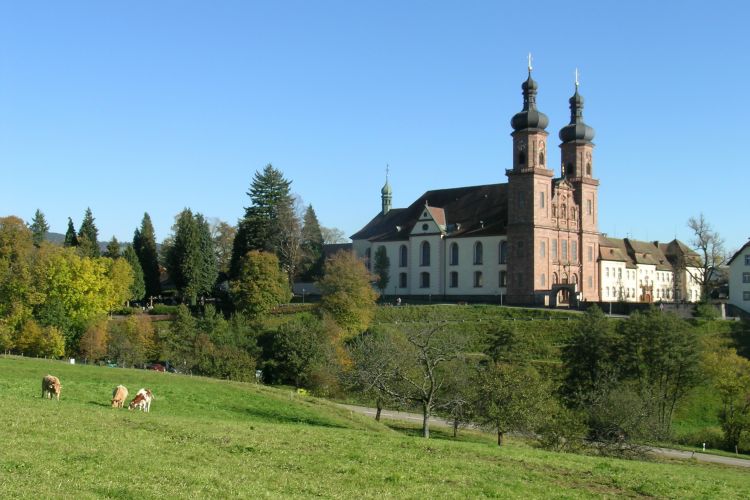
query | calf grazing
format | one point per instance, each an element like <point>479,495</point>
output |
<point>51,387</point>
<point>119,395</point>
<point>142,400</point>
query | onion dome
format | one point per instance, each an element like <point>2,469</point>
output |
<point>529,117</point>
<point>576,130</point>
<point>387,188</point>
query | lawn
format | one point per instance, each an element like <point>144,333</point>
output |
<point>209,438</point>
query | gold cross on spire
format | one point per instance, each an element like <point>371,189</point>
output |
<point>530,67</point>
<point>387,169</point>
<point>577,82</point>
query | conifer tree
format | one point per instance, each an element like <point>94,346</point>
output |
<point>258,229</point>
<point>144,244</point>
<point>88,235</point>
<point>138,288</point>
<point>311,267</point>
<point>191,259</point>
<point>39,227</point>
<point>113,248</point>
<point>71,239</point>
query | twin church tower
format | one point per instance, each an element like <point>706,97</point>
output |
<point>532,240</point>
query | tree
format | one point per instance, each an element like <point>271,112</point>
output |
<point>131,342</point>
<point>409,365</point>
<point>346,293</point>
<point>589,359</point>
<point>120,277</point>
<point>113,248</point>
<point>258,229</point>
<point>223,235</point>
<point>260,286</point>
<point>177,346</point>
<point>333,235</point>
<point>731,378</point>
<point>289,239</point>
<point>93,343</point>
<point>661,355</point>
<point>311,265</point>
<point>138,288</point>
<point>298,350</point>
<point>190,259</point>
<point>710,246</point>
<point>382,268</point>
<point>71,239</point>
<point>88,236</point>
<point>511,398</point>
<point>18,294</point>
<point>144,243</point>
<point>39,228</point>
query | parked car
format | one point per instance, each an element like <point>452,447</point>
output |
<point>156,367</point>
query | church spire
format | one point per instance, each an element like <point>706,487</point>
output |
<point>386,194</point>
<point>529,117</point>
<point>576,130</point>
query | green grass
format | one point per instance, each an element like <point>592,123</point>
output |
<point>209,438</point>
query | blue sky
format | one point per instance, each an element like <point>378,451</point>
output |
<point>128,107</point>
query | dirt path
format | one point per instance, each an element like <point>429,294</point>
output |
<point>663,452</point>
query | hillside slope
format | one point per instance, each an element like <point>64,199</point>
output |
<point>210,438</point>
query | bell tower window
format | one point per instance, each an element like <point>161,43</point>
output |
<point>521,158</point>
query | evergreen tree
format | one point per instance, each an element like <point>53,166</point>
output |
<point>39,227</point>
<point>138,288</point>
<point>144,244</point>
<point>191,259</point>
<point>208,272</point>
<point>259,228</point>
<point>113,248</point>
<point>71,239</point>
<point>311,266</point>
<point>88,236</point>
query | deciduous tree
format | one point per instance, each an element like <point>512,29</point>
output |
<point>261,284</point>
<point>346,293</point>
<point>710,246</point>
<point>731,378</point>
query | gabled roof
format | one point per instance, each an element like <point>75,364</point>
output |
<point>613,249</point>
<point>664,256</point>
<point>465,211</point>
<point>738,252</point>
<point>438,215</point>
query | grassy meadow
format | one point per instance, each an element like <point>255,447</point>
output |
<point>210,438</point>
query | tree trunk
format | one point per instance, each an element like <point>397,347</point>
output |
<point>379,405</point>
<point>425,420</point>
<point>500,437</point>
<point>455,427</point>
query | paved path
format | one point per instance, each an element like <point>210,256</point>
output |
<point>664,452</point>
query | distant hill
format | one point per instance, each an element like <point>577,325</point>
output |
<point>59,238</point>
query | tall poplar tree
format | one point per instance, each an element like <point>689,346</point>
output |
<point>259,228</point>
<point>311,267</point>
<point>88,235</point>
<point>39,227</point>
<point>71,239</point>
<point>144,244</point>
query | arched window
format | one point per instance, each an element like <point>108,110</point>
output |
<point>478,253</point>
<point>454,254</point>
<point>574,277</point>
<point>454,279</point>
<point>402,256</point>
<point>564,278</point>
<point>424,257</point>
<point>541,158</point>
<point>368,255</point>
<point>554,278</point>
<point>424,280</point>
<point>522,158</point>
<point>503,251</point>
<point>588,169</point>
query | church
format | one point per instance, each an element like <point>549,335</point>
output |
<point>532,240</point>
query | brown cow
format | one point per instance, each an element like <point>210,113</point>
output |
<point>119,395</point>
<point>51,387</point>
<point>142,400</point>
